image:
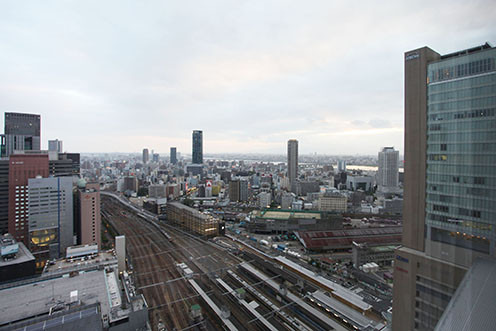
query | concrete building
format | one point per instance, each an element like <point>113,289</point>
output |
<point>333,202</point>
<point>90,300</point>
<point>89,211</point>
<point>130,184</point>
<point>146,155</point>
<point>197,147</point>
<point>238,190</point>
<point>22,132</point>
<point>192,220</point>
<point>287,221</point>
<point>363,253</point>
<point>341,166</point>
<point>16,261</point>
<point>449,183</point>
<point>287,200</point>
<point>55,146</point>
<point>293,163</point>
<point>305,187</point>
<point>120,250</point>
<point>264,199</point>
<point>393,206</point>
<point>51,223</point>
<point>64,165</point>
<point>388,170</point>
<point>364,183</point>
<point>157,191</point>
<point>173,155</point>
<point>22,167</point>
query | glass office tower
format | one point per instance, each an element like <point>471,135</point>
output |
<point>461,153</point>
<point>197,147</point>
<point>449,217</point>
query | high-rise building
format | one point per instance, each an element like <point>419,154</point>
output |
<point>450,179</point>
<point>55,146</point>
<point>50,216</point>
<point>173,155</point>
<point>198,147</point>
<point>388,172</point>
<point>22,167</point>
<point>341,166</point>
<point>89,213</point>
<point>293,163</point>
<point>146,155</point>
<point>238,190</point>
<point>22,132</point>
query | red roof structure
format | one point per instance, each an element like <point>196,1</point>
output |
<point>343,239</point>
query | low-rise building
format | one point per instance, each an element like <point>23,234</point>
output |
<point>16,261</point>
<point>284,221</point>
<point>192,220</point>
<point>90,300</point>
<point>363,253</point>
<point>333,202</point>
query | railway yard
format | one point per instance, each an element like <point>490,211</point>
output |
<point>193,283</point>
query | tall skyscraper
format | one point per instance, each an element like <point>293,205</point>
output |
<point>198,147</point>
<point>55,146</point>
<point>22,132</point>
<point>173,155</point>
<point>22,167</point>
<point>388,172</point>
<point>292,163</point>
<point>450,179</point>
<point>146,155</point>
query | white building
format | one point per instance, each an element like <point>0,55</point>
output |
<point>264,199</point>
<point>388,172</point>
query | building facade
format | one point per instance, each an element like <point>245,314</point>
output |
<point>21,168</point>
<point>293,163</point>
<point>51,228</point>
<point>90,218</point>
<point>449,184</point>
<point>55,146</point>
<point>146,155</point>
<point>191,219</point>
<point>388,172</point>
<point>333,202</point>
<point>22,132</point>
<point>238,190</point>
<point>173,155</point>
<point>197,147</point>
<point>4,196</point>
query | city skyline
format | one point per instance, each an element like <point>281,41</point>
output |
<point>295,71</point>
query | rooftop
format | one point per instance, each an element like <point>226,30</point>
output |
<point>345,238</point>
<point>28,300</point>
<point>286,214</point>
<point>23,255</point>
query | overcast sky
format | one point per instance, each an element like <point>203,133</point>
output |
<point>118,76</point>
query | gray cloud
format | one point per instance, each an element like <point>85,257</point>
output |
<point>117,76</point>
